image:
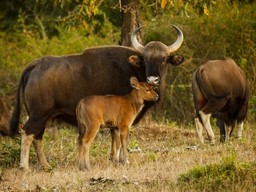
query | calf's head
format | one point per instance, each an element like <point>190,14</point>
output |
<point>144,90</point>
<point>156,55</point>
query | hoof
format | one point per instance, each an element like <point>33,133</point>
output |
<point>125,162</point>
<point>222,139</point>
<point>25,169</point>
<point>212,143</point>
<point>47,168</point>
<point>84,168</point>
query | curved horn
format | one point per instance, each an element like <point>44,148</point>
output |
<point>135,42</point>
<point>176,45</point>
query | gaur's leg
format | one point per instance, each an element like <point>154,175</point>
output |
<point>199,102</point>
<point>26,141</point>
<point>240,127</point>
<point>81,150</point>
<point>38,145</point>
<point>212,107</point>
<point>222,127</point>
<point>81,157</point>
<point>207,124</point>
<point>91,131</point>
<point>32,132</point>
<point>227,128</point>
<point>123,138</point>
<point>199,129</point>
<point>39,149</point>
<point>115,144</point>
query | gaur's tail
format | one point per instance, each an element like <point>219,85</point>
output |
<point>14,121</point>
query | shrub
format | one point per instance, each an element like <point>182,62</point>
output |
<point>228,175</point>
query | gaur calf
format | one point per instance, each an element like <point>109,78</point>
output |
<point>112,111</point>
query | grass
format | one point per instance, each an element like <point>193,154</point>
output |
<point>160,160</point>
<point>228,175</point>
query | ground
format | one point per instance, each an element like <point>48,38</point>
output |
<point>159,154</point>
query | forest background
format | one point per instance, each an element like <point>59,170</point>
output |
<point>213,29</point>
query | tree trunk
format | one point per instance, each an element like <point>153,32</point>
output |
<point>131,20</point>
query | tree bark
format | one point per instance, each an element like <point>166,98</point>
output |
<point>130,20</point>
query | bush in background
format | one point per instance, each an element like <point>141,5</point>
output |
<point>228,175</point>
<point>227,31</point>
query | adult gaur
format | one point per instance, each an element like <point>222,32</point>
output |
<point>220,90</point>
<point>51,87</point>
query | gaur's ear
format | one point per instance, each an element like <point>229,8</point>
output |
<point>175,60</point>
<point>134,60</point>
<point>134,82</point>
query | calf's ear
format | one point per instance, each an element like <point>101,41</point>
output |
<point>134,60</point>
<point>175,60</point>
<point>134,82</point>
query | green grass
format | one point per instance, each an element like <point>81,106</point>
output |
<point>228,175</point>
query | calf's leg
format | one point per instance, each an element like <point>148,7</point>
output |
<point>123,138</point>
<point>84,146</point>
<point>115,145</point>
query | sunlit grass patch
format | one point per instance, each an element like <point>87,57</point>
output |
<point>228,175</point>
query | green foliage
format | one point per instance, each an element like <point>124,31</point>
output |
<point>227,31</point>
<point>42,18</point>
<point>228,175</point>
<point>10,153</point>
<point>201,6</point>
<point>151,156</point>
<point>20,49</point>
<point>29,31</point>
<point>252,109</point>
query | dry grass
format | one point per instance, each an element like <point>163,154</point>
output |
<point>162,158</point>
